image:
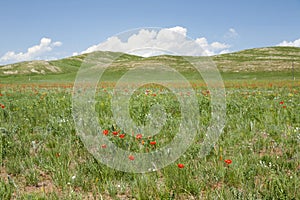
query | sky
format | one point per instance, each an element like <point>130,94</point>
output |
<point>53,29</point>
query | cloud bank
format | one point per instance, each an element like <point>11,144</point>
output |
<point>149,42</point>
<point>295,43</point>
<point>34,52</point>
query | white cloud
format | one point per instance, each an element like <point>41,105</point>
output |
<point>34,52</point>
<point>231,33</point>
<point>149,42</point>
<point>211,49</point>
<point>179,30</point>
<point>295,43</point>
<point>75,54</point>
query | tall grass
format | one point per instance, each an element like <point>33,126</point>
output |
<point>43,157</point>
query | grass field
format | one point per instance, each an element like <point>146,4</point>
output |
<point>256,157</point>
<point>43,158</point>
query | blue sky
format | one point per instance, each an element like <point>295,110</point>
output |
<point>74,26</point>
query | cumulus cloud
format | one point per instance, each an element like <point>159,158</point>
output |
<point>149,42</point>
<point>213,48</point>
<point>295,43</point>
<point>34,52</point>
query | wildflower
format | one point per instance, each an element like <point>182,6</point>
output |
<point>283,106</point>
<point>105,132</point>
<point>103,146</point>
<point>180,165</point>
<point>2,106</point>
<point>139,136</point>
<point>281,102</point>
<point>131,157</point>
<point>115,133</point>
<point>153,143</point>
<point>122,136</point>
<point>228,161</point>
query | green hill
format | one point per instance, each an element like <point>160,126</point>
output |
<point>268,59</point>
<point>260,59</point>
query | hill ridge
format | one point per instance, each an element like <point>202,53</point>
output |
<point>248,60</point>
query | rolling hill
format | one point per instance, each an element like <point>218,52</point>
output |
<point>268,59</point>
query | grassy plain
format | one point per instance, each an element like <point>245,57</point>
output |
<point>256,157</point>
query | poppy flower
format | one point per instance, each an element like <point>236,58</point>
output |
<point>2,106</point>
<point>105,132</point>
<point>115,133</point>
<point>103,146</point>
<point>153,143</point>
<point>139,136</point>
<point>131,157</point>
<point>281,102</point>
<point>283,106</point>
<point>180,165</point>
<point>122,136</point>
<point>228,161</point>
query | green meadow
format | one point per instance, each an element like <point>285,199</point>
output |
<point>257,156</point>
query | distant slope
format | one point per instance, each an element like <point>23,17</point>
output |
<point>251,60</point>
<point>260,59</point>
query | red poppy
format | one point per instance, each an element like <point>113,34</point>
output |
<point>180,165</point>
<point>131,157</point>
<point>115,133</point>
<point>283,106</point>
<point>122,136</point>
<point>281,102</point>
<point>103,146</point>
<point>139,136</point>
<point>228,161</point>
<point>105,132</point>
<point>153,142</point>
